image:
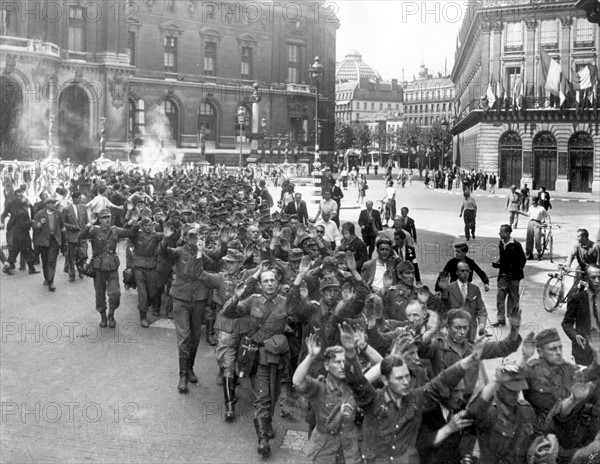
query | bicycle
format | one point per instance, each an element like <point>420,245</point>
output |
<point>547,240</point>
<point>554,290</point>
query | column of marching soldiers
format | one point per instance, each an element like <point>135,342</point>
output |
<point>390,370</point>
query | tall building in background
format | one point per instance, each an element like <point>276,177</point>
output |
<point>428,99</point>
<point>526,102</point>
<point>176,70</point>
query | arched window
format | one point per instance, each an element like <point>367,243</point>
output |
<point>207,121</point>
<point>581,162</point>
<point>544,160</point>
<point>172,114</point>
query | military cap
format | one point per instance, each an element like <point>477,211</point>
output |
<point>105,212</point>
<point>236,245</point>
<point>546,336</point>
<point>51,200</point>
<point>329,282</point>
<point>340,256</point>
<point>233,255</point>
<point>517,380</point>
<point>145,221</point>
<point>404,266</point>
<point>308,241</point>
<point>295,254</point>
<point>186,210</point>
<point>264,207</point>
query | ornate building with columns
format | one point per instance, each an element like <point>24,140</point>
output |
<point>176,70</point>
<point>526,136</point>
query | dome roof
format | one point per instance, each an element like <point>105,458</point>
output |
<point>352,68</point>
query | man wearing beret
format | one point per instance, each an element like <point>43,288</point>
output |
<point>106,263</point>
<point>504,423</point>
<point>50,238</point>
<point>549,376</point>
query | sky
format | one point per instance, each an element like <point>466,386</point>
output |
<point>401,34</point>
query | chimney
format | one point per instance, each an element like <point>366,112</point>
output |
<point>403,75</point>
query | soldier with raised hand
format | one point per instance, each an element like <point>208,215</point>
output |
<point>393,414</point>
<point>104,240</point>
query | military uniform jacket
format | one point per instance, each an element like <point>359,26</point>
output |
<point>268,318</point>
<point>504,437</point>
<point>225,288</point>
<point>390,428</point>
<point>188,268</point>
<point>145,249</point>
<point>104,245</point>
<point>444,354</point>
<point>395,300</point>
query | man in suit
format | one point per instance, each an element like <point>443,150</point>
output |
<point>582,315</point>
<point>49,238</point>
<point>298,207</point>
<point>370,224</point>
<point>375,272</point>
<point>465,295</point>
<point>20,212</point>
<point>75,217</point>
<point>408,223</point>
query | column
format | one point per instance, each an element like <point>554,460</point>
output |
<point>497,27</point>
<point>530,43</point>
<point>562,155</point>
<point>255,120</point>
<point>486,27</point>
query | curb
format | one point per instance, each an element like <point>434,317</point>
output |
<point>492,195</point>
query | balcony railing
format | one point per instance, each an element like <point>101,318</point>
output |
<point>30,45</point>
<point>584,44</point>
<point>550,46</point>
<point>73,55</point>
<point>513,48</point>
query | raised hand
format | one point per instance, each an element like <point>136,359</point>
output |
<point>444,281</point>
<point>350,261</point>
<point>360,338</point>
<point>239,290</point>
<point>265,266</point>
<point>503,373</point>
<point>231,234</point>
<point>312,345</point>
<point>276,232</point>
<point>347,336</point>
<point>528,347</point>
<point>459,422</point>
<point>580,389</point>
<point>478,346</point>
<point>347,292</point>
<point>388,279</point>
<point>304,265</point>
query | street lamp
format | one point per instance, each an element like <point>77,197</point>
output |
<point>444,125</point>
<point>263,123</point>
<point>316,73</point>
<point>241,117</point>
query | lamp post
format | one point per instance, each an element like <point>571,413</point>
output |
<point>444,125</point>
<point>241,117</point>
<point>263,124</point>
<point>316,73</point>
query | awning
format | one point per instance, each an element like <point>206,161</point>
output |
<point>342,102</point>
<point>252,159</point>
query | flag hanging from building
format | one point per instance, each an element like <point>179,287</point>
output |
<point>501,96</point>
<point>491,94</point>
<point>551,72</point>
<point>586,77</point>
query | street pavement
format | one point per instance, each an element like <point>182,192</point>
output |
<point>72,392</point>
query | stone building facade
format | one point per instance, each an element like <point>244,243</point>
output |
<point>175,70</point>
<point>526,135</point>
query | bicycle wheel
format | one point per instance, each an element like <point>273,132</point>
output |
<point>543,245</point>
<point>552,293</point>
<point>550,247</point>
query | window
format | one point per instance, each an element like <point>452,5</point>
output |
<point>210,59</point>
<point>170,60</point>
<point>131,47</point>
<point>293,63</point>
<point>358,105</point>
<point>172,114</point>
<point>381,106</point>
<point>364,106</point>
<point>389,106</point>
<point>443,107</point>
<point>514,36</point>
<point>76,29</point>
<point>397,106</point>
<point>357,115</point>
<point>170,6</point>
<point>246,65</point>
<point>549,33</point>
<point>584,31</point>
<point>513,78</point>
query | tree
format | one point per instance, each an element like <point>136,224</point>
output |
<point>409,136</point>
<point>344,137</point>
<point>362,137</point>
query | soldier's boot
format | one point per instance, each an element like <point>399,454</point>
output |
<point>219,378</point>
<point>182,386</point>
<point>263,441</point>
<point>103,320</point>
<point>228,393</point>
<point>190,374</point>
<point>235,382</point>
<point>143,320</point>
<point>270,431</point>
<point>286,406</point>
<point>33,270</point>
<point>211,338</point>
<point>8,270</point>
<point>111,319</point>
<point>156,304</point>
